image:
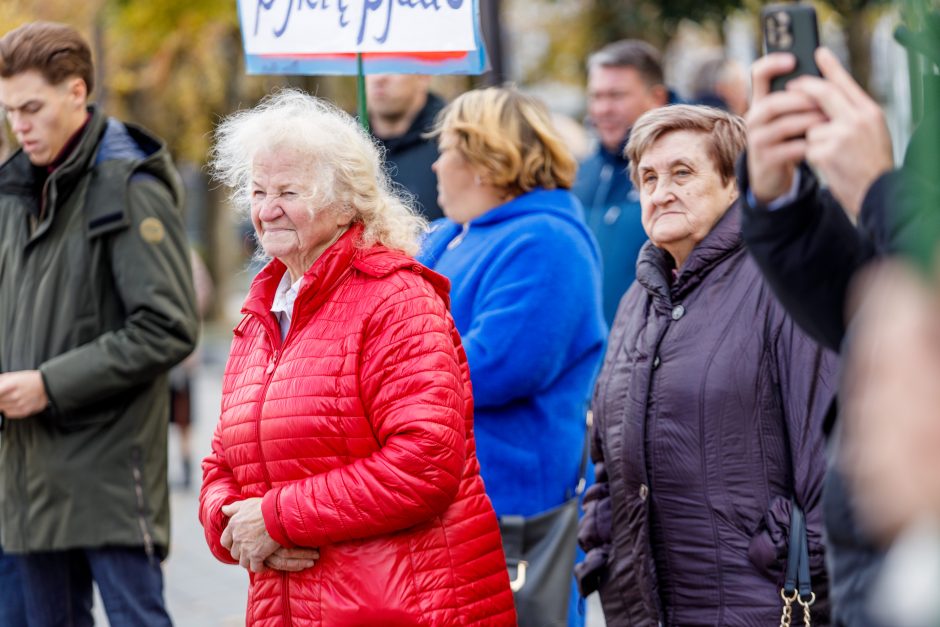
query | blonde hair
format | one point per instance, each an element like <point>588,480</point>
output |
<point>511,138</point>
<point>725,130</point>
<point>346,165</point>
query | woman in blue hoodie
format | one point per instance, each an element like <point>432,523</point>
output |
<point>525,273</point>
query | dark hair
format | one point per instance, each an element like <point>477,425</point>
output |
<point>633,53</point>
<point>57,51</point>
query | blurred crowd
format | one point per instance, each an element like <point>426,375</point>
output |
<point>478,378</point>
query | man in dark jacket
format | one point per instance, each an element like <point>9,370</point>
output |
<point>401,111</point>
<point>809,250</point>
<point>96,305</point>
<point>625,80</point>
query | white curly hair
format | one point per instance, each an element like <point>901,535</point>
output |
<point>346,165</point>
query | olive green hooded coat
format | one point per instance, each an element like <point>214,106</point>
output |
<point>95,292</point>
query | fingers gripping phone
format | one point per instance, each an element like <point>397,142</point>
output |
<point>791,28</point>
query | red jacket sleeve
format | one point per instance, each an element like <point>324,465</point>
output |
<point>412,393</point>
<point>219,488</point>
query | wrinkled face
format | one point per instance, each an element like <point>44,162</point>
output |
<point>42,116</point>
<point>617,97</point>
<point>394,95</point>
<point>457,187</point>
<point>681,192</point>
<point>288,224</point>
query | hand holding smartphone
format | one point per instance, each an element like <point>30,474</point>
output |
<point>791,28</point>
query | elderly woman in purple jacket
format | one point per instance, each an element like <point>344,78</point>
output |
<point>709,409</point>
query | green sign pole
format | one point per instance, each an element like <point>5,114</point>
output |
<point>361,95</point>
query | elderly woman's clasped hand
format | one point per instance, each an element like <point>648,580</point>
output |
<point>248,541</point>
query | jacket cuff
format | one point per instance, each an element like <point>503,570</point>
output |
<point>874,217</point>
<point>216,525</point>
<point>591,570</point>
<point>271,511</point>
<point>763,222</point>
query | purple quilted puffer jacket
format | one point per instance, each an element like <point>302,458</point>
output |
<point>708,419</point>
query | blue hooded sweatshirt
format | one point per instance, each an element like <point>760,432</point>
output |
<point>525,297</point>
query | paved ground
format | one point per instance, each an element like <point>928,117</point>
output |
<point>200,591</point>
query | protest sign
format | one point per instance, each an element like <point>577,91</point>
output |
<point>326,36</point>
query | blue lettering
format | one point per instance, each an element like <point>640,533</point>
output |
<point>262,4</point>
<point>343,22</point>
<point>290,7</point>
<point>312,4</point>
<point>374,5</point>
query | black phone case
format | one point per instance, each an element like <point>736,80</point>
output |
<point>803,43</point>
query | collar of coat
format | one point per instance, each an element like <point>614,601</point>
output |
<point>348,254</point>
<point>655,266</point>
<point>423,123</point>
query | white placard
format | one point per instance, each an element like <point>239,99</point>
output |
<point>343,26</point>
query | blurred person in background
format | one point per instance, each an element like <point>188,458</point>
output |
<point>891,431</point>
<point>182,377</point>
<point>721,82</point>
<point>709,407</point>
<point>96,306</point>
<point>625,80</point>
<point>805,239</point>
<point>525,273</point>
<point>402,110</point>
<point>343,473</point>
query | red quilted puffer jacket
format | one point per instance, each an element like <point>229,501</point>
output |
<point>357,431</point>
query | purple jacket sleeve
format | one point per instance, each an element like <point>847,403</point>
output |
<point>594,528</point>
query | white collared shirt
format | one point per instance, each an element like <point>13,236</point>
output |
<point>283,305</point>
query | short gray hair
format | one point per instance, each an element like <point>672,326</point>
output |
<point>631,53</point>
<point>347,164</point>
<point>726,133</point>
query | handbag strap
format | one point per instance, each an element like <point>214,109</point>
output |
<point>512,529</point>
<point>585,452</point>
<point>797,576</point>
<point>797,586</point>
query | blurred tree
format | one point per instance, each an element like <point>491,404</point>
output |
<point>577,32</point>
<point>857,18</point>
<point>174,66</point>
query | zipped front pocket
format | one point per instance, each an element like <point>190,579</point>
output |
<point>145,531</point>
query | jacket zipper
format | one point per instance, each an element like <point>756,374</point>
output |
<point>269,374</point>
<point>285,598</point>
<point>141,506</point>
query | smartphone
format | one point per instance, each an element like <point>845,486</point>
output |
<point>791,28</point>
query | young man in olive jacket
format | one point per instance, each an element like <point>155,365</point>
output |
<point>96,305</point>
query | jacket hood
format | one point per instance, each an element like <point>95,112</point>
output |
<point>423,123</point>
<point>331,266</point>
<point>654,265</point>
<point>557,203</point>
<point>560,203</point>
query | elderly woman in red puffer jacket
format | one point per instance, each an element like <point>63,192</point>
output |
<point>343,474</point>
